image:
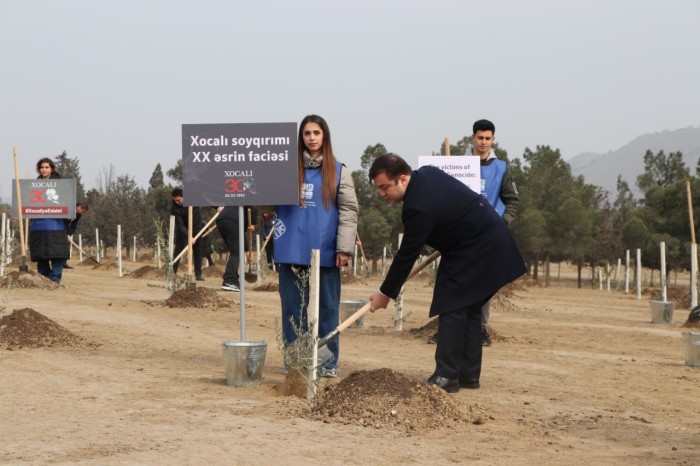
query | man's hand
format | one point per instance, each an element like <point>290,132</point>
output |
<point>341,259</point>
<point>379,301</point>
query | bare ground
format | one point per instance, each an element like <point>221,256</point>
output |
<point>574,377</point>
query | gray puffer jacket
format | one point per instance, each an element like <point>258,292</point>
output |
<point>348,209</point>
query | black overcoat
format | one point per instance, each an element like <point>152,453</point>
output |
<point>478,253</point>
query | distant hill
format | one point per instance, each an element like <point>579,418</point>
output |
<point>602,169</point>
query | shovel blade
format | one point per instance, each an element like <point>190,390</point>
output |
<point>293,355</point>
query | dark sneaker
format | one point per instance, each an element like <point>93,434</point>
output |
<point>199,278</point>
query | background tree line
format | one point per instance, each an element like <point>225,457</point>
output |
<point>561,218</point>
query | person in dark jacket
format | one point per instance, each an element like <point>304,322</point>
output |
<point>478,257</point>
<point>497,186</point>
<point>80,209</point>
<point>179,210</point>
<point>48,237</point>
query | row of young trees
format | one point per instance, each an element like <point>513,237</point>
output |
<point>560,217</point>
<point>563,218</point>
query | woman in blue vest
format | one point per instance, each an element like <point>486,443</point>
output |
<point>48,237</point>
<point>325,219</point>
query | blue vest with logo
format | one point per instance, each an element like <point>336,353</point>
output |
<point>298,230</point>
<point>491,181</point>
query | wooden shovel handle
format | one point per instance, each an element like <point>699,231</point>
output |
<point>363,310</point>
<point>196,237</point>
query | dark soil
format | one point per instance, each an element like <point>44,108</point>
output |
<point>28,279</point>
<point>146,258</point>
<point>199,298</point>
<point>270,286</point>
<point>426,331</point>
<point>26,328</point>
<point>385,399</point>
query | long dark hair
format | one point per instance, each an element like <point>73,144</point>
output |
<point>54,174</point>
<point>327,168</point>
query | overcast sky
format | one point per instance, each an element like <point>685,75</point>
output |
<point>112,81</point>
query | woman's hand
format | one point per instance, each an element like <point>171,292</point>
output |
<point>341,259</point>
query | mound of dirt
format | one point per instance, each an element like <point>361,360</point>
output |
<point>501,303</point>
<point>681,296</point>
<point>200,298</point>
<point>88,262</point>
<point>212,271</point>
<point>145,258</point>
<point>106,265</point>
<point>26,328</point>
<point>385,399</point>
<point>28,279</point>
<point>148,271</point>
<point>426,331</point>
<point>270,286</point>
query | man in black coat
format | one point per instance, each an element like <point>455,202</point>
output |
<point>478,257</point>
<point>180,211</point>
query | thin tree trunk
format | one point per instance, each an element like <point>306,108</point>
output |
<point>579,269</point>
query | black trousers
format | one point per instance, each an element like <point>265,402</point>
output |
<point>180,244</point>
<point>229,233</point>
<point>458,353</point>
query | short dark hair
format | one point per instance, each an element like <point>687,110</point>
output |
<point>390,164</point>
<point>82,205</point>
<point>483,125</point>
<point>177,192</point>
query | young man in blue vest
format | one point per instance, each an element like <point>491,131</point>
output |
<point>497,186</point>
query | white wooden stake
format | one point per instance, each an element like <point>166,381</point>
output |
<point>384,261</point>
<point>313,312</point>
<point>258,280</point>
<point>354,261</point>
<point>664,294</point>
<point>97,244</point>
<point>8,246</point>
<point>3,233</point>
<point>398,320</point>
<point>171,238</point>
<point>639,274</point>
<point>119,251</point>
<point>693,275</point>
<point>158,255</point>
<point>133,254</point>
<point>627,271</point>
<point>80,243</point>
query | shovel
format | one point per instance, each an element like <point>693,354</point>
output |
<point>363,310</point>
<point>83,251</point>
<point>250,274</point>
